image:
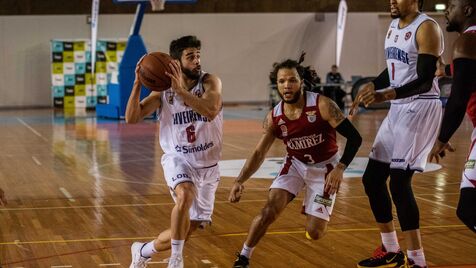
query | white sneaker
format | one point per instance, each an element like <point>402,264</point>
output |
<point>137,260</point>
<point>175,261</point>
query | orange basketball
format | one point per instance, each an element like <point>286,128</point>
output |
<point>152,71</point>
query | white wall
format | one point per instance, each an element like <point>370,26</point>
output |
<point>240,48</point>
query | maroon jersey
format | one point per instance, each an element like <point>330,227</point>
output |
<point>310,139</point>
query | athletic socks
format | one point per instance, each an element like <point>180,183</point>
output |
<point>177,247</point>
<point>390,241</point>
<point>148,250</point>
<point>246,251</point>
<point>417,256</point>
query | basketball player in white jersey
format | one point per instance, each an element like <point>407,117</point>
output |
<point>461,18</point>
<point>413,44</point>
<point>191,120</point>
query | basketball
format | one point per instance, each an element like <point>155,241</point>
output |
<point>152,71</point>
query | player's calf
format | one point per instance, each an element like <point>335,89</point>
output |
<point>466,211</point>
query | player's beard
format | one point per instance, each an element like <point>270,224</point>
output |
<point>191,74</point>
<point>395,16</point>
<point>451,26</point>
<point>293,100</point>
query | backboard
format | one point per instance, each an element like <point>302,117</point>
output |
<point>167,1</point>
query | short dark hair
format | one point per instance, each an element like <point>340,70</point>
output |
<point>177,46</point>
<point>287,64</point>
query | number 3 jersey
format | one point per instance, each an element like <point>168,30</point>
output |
<point>310,139</point>
<point>186,132</point>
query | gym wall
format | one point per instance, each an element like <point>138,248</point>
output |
<point>240,48</point>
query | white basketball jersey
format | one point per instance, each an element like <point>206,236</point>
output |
<point>401,53</point>
<point>186,132</point>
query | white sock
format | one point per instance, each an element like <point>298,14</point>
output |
<point>148,250</point>
<point>390,241</point>
<point>417,256</point>
<point>177,246</point>
<point>246,251</point>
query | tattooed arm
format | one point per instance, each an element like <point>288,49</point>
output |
<point>332,114</point>
<point>330,111</point>
<point>255,160</point>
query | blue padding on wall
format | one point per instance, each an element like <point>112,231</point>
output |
<point>119,93</point>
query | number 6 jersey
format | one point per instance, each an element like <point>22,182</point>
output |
<point>186,132</point>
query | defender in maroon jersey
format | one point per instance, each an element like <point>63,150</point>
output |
<point>461,18</point>
<point>307,123</point>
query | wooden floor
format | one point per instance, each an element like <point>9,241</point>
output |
<point>81,190</point>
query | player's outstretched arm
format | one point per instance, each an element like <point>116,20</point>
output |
<point>137,110</point>
<point>332,114</point>
<point>208,105</point>
<point>367,93</point>
<point>255,160</point>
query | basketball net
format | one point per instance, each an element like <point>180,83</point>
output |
<point>157,5</point>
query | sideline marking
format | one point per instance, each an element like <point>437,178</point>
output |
<point>32,129</point>
<point>67,194</point>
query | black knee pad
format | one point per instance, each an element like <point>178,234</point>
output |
<point>375,183</point>
<point>404,200</point>
<point>467,207</point>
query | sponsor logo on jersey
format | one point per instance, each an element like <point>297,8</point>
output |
<point>319,210</point>
<point>180,176</point>
<point>187,117</point>
<point>394,53</point>
<point>327,202</point>
<point>169,96</point>
<point>311,116</point>
<point>470,164</point>
<point>408,35</point>
<point>305,142</point>
<point>389,34</point>
<point>396,38</point>
<point>284,130</point>
<point>194,149</point>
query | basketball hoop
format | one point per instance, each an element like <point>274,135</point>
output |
<point>157,5</point>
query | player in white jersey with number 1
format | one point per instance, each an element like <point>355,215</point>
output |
<point>413,44</point>
<point>191,127</point>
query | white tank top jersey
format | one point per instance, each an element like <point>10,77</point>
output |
<point>186,132</point>
<point>401,53</point>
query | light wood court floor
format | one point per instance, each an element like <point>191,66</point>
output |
<point>82,189</point>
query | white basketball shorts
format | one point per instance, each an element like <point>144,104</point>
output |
<point>177,170</point>
<point>294,175</point>
<point>407,134</point>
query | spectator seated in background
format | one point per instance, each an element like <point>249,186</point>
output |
<point>335,92</point>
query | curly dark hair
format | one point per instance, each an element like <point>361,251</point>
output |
<point>306,73</point>
<point>177,46</point>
